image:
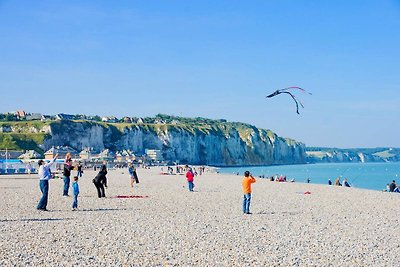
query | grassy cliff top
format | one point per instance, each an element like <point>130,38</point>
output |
<point>24,136</point>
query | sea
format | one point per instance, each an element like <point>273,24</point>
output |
<point>373,176</point>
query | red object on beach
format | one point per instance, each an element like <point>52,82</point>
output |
<point>131,196</point>
<point>307,193</point>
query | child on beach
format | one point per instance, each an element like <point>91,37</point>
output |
<point>246,185</point>
<point>75,193</point>
<point>190,179</point>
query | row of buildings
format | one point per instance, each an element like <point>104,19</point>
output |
<point>87,154</point>
<point>22,115</point>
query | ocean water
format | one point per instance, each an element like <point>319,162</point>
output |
<point>372,176</point>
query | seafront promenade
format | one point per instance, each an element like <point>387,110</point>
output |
<point>165,225</point>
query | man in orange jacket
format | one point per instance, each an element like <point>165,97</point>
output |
<point>246,185</point>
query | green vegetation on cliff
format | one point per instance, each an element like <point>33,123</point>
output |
<point>22,141</point>
<point>29,134</point>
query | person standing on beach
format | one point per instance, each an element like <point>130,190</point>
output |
<point>67,174</point>
<point>100,181</point>
<point>28,168</point>
<point>75,193</point>
<point>133,174</point>
<point>44,176</point>
<point>190,179</point>
<point>246,185</point>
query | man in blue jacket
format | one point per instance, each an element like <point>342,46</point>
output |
<point>44,176</point>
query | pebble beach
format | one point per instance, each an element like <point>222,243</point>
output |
<point>166,225</point>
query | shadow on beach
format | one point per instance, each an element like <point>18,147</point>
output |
<point>36,220</point>
<point>17,178</point>
<point>104,209</point>
<point>276,213</point>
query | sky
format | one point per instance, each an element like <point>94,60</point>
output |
<point>213,59</point>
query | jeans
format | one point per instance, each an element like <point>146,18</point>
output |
<point>44,187</point>
<point>136,177</point>
<point>79,174</point>
<point>191,186</point>
<point>246,203</point>
<point>66,185</point>
<point>74,201</point>
<point>100,189</point>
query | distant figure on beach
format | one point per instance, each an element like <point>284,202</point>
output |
<point>329,182</point>
<point>190,179</point>
<point>392,186</point>
<point>67,174</point>
<point>133,174</point>
<point>246,186</point>
<point>44,175</point>
<point>28,168</point>
<point>75,193</point>
<point>100,181</point>
<point>345,183</point>
<point>79,168</point>
<point>337,182</point>
<point>308,180</point>
<point>387,188</point>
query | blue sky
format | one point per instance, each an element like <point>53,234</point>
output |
<point>215,59</point>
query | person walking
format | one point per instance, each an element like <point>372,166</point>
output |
<point>67,174</point>
<point>190,179</point>
<point>79,168</point>
<point>100,181</point>
<point>75,193</point>
<point>44,177</point>
<point>246,186</point>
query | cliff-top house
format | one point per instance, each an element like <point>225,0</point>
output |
<point>62,116</point>
<point>110,119</point>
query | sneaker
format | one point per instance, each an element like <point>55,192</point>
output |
<point>249,213</point>
<point>43,209</point>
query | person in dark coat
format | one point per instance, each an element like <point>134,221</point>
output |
<point>392,186</point>
<point>66,175</point>
<point>100,181</point>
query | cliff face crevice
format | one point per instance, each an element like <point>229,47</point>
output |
<point>222,145</point>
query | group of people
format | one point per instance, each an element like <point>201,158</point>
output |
<point>100,182</point>
<point>44,173</point>
<point>338,183</point>
<point>393,187</point>
<point>247,181</point>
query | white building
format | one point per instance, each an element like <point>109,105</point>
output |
<point>154,154</point>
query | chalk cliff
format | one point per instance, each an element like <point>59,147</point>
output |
<point>223,144</point>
